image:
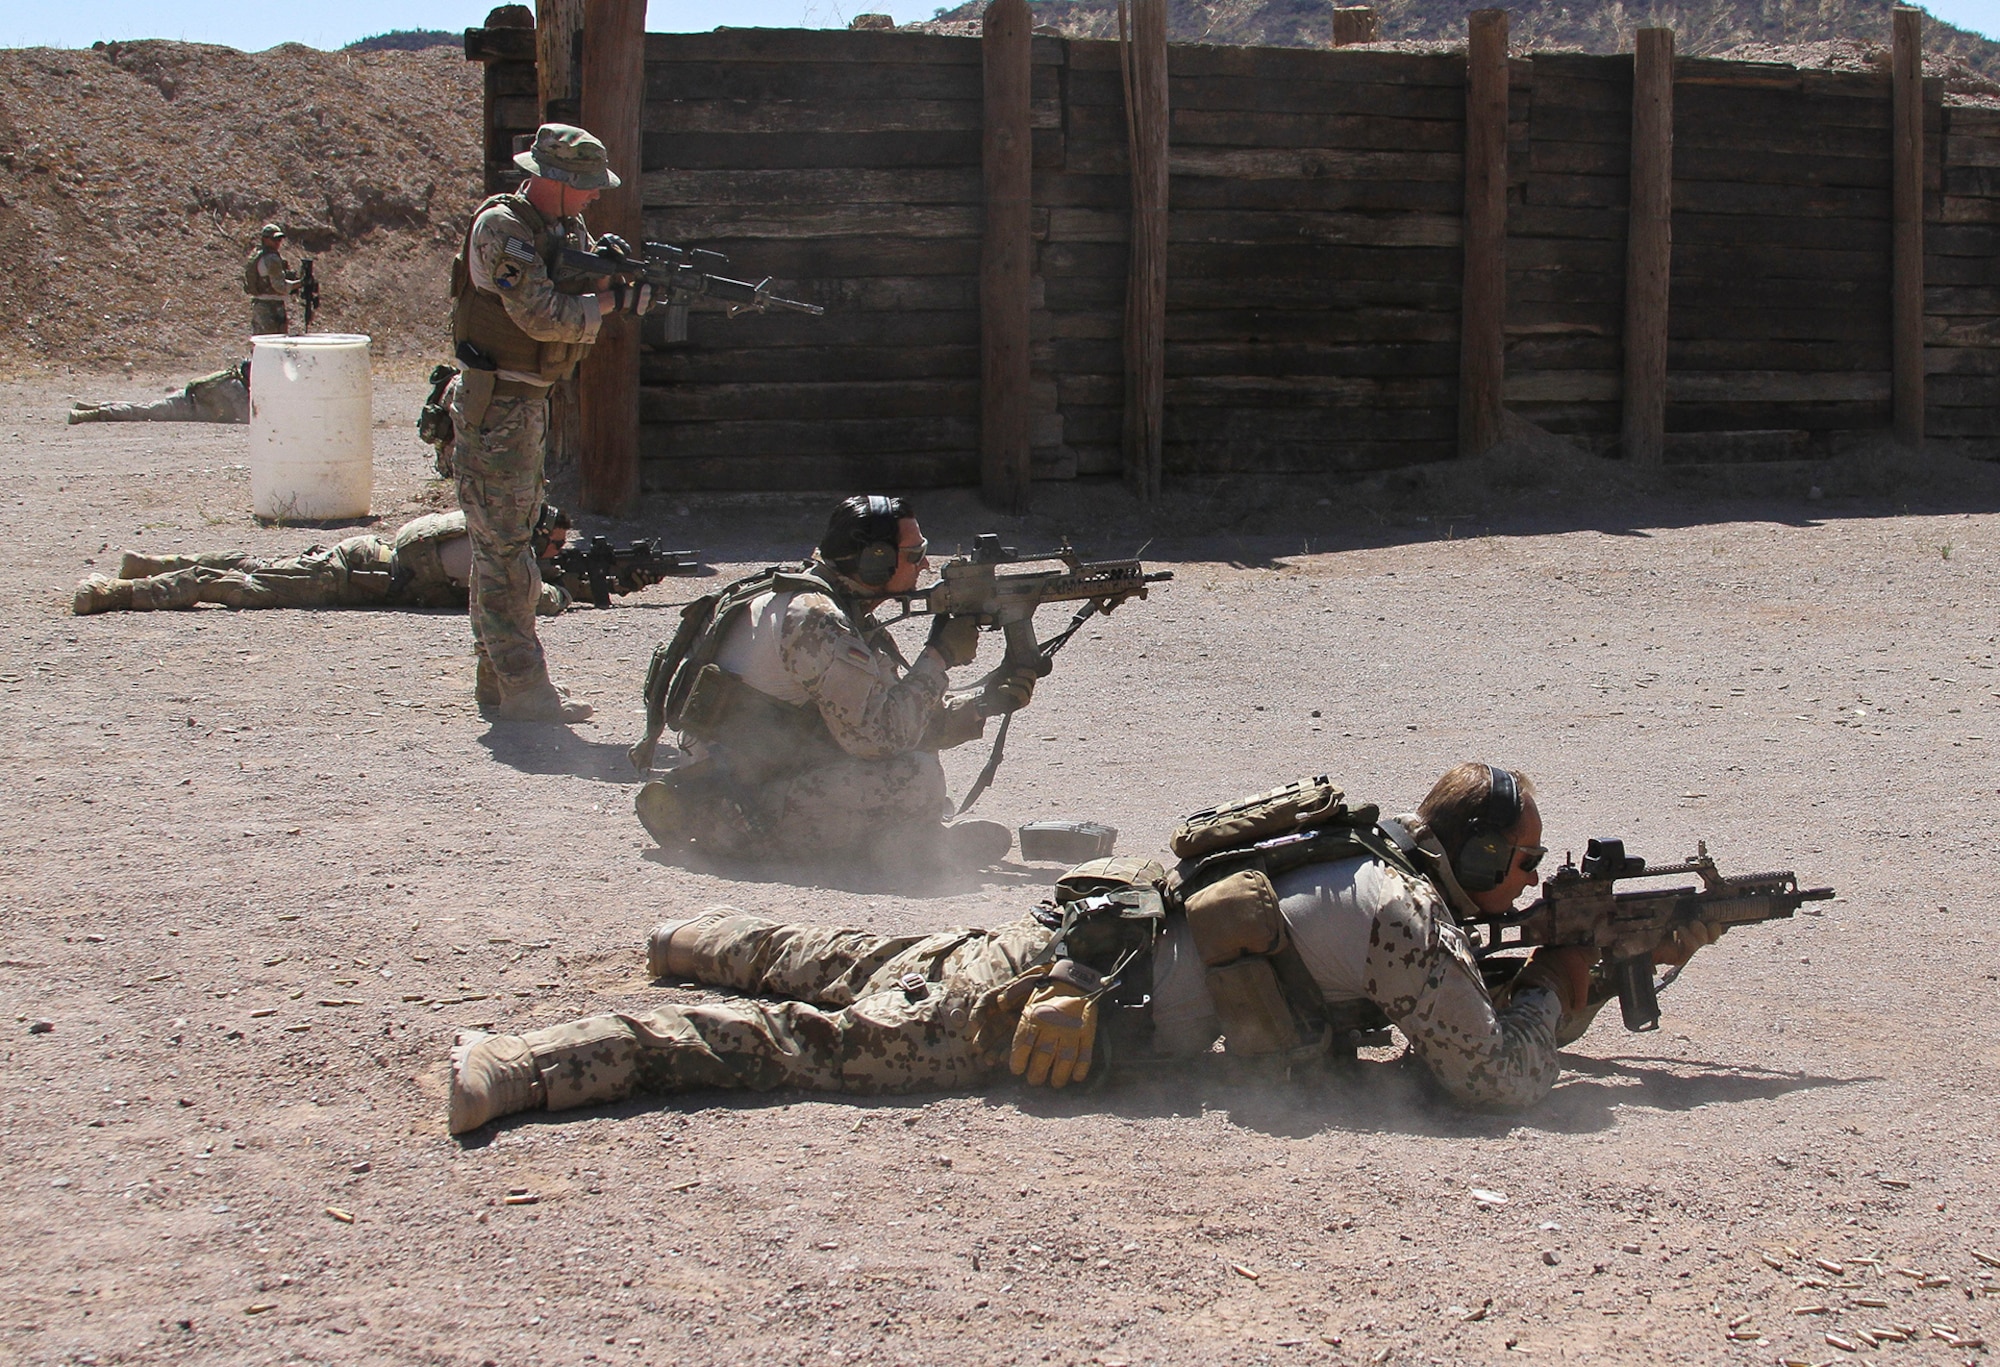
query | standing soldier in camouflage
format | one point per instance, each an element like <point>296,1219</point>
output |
<point>426,563</point>
<point>1357,942</point>
<point>269,282</point>
<point>517,332</point>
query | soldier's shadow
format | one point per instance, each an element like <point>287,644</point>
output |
<point>857,876</point>
<point>542,749</point>
<point>1397,1096</point>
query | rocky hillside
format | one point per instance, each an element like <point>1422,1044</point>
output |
<point>134,176</point>
<point>1717,28</point>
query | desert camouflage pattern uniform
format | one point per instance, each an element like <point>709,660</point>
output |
<point>1421,972</point>
<point>218,397</point>
<point>498,460</point>
<point>403,571</point>
<point>847,761</point>
<point>268,311</point>
<point>849,1023</point>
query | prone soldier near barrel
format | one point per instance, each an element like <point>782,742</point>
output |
<point>1294,928</point>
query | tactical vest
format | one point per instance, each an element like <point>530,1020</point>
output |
<point>688,691</point>
<point>1264,994</point>
<point>419,570</point>
<point>223,396</point>
<point>480,316</point>
<point>253,278</point>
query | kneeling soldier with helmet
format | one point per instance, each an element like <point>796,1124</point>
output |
<point>1276,959</point>
<point>808,736</point>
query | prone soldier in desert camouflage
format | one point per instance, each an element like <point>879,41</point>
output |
<point>1282,960</point>
<point>425,563</point>
<point>219,396</point>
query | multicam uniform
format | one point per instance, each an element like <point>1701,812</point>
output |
<point>426,564</point>
<point>269,283</point>
<point>221,396</point>
<point>824,740</point>
<point>505,302</point>
<point>870,1013</point>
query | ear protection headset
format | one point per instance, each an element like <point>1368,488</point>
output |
<point>875,563</point>
<point>1483,861</point>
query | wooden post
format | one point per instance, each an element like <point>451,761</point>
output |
<point>1906,284</point>
<point>1649,247</point>
<point>557,24</point>
<point>1006,258</point>
<point>1482,340</point>
<point>1355,24</point>
<point>1143,51</point>
<point>614,93</point>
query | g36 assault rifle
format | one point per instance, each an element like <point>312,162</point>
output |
<point>1581,906</point>
<point>677,275</point>
<point>974,586</point>
<point>597,569</point>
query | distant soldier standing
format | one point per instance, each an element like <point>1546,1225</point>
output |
<point>516,332</point>
<point>268,280</point>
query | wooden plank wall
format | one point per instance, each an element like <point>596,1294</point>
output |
<point>1314,258</point>
<point>1962,289</point>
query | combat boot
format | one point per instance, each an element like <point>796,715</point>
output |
<point>663,811</point>
<point>485,684</point>
<point>541,702</point>
<point>100,593</point>
<point>670,948</point>
<point>132,565</point>
<point>492,1076</point>
<point>84,412</point>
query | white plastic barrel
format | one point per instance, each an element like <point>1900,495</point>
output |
<point>312,443</point>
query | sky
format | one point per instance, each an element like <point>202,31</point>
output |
<point>25,23</point>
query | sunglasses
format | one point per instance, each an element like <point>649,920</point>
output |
<point>1528,858</point>
<point>914,555</point>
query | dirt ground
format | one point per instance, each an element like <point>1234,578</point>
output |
<point>261,866</point>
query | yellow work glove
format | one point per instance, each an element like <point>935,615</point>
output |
<point>1058,1027</point>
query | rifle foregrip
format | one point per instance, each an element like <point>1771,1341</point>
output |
<point>1636,997</point>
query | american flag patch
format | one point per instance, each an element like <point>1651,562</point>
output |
<point>519,250</point>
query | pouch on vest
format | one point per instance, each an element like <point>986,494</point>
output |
<point>1308,803</point>
<point>707,700</point>
<point>1105,910</point>
<point>475,395</point>
<point>1260,987</point>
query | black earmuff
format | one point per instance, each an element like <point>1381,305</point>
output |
<point>1483,860</point>
<point>875,563</point>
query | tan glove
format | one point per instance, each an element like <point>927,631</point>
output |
<point>1009,693</point>
<point>1058,1028</point>
<point>955,638</point>
<point>1564,970</point>
<point>1679,947</point>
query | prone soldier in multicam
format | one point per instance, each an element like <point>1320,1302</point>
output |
<point>808,735</point>
<point>220,396</point>
<point>517,333</point>
<point>1230,945</point>
<point>269,281</point>
<point>426,563</point>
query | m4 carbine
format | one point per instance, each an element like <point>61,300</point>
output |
<point>308,290</point>
<point>1582,906</point>
<point>597,569</point>
<point>677,275</point>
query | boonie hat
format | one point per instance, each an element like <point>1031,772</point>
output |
<point>270,230</point>
<point>569,156</point>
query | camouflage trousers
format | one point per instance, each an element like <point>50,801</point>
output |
<point>268,316</point>
<point>354,573</point>
<point>865,808</point>
<point>849,1024</point>
<point>498,463</point>
<point>183,407</point>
